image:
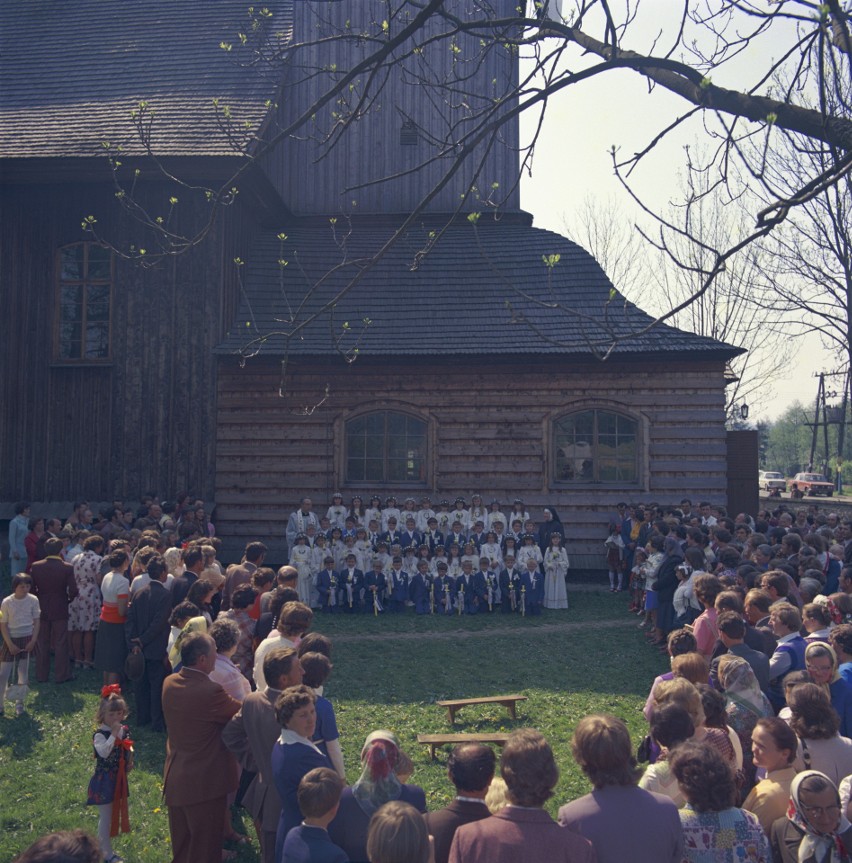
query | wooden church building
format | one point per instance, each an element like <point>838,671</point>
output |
<point>289,328</point>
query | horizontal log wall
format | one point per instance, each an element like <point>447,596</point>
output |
<point>490,424</point>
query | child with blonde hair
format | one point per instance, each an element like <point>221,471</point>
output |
<point>113,750</point>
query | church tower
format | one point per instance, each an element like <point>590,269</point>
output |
<point>395,132</point>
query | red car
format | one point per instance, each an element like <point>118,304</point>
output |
<point>812,483</point>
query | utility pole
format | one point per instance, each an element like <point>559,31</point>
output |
<point>820,400</point>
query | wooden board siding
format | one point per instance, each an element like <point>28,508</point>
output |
<point>489,422</point>
<point>146,419</point>
<point>315,180</point>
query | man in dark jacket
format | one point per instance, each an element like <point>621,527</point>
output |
<point>471,769</point>
<point>147,631</point>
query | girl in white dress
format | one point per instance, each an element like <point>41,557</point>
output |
<point>528,550</point>
<point>336,514</point>
<point>555,570</point>
<point>300,558</point>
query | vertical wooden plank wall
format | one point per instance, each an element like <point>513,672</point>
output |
<point>490,421</point>
<point>313,180</point>
<point>145,421</point>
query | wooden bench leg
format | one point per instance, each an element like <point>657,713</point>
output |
<point>451,713</point>
<point>432,750</point>
<point>511,706</point>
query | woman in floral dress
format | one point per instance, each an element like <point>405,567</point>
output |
<point>85,609</point>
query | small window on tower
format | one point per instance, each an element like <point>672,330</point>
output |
<point>408,134</point>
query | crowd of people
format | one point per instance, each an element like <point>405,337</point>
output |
<point>747,752</point>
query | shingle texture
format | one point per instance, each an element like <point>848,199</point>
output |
<point>72,72</point>
<point>483,290</point>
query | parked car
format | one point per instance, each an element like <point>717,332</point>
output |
<point>772,479</point>
<point>812,483</point>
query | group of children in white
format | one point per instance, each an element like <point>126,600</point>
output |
<point>460,560</point>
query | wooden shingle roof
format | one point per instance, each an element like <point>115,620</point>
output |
<point>483,290</point>
<point>71,73</point>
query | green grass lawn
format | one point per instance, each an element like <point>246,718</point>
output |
<point>390,680</point>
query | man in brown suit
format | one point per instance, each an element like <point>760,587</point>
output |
<point>199,772</point>
<point>471,769</point>
<point>251,735</point>
<point>55,587</point>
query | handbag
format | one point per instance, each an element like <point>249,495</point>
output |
<point>18,691</point>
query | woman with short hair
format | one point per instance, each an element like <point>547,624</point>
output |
<point>398,834</point>
<point>774,747</point>
<point>293,755</point>
<point>816,724</point>
<point>822,667</point>
<point>714,830</point>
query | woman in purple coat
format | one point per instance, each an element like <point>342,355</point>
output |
<point>378,784</point>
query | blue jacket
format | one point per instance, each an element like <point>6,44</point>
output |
<point>306,844</point>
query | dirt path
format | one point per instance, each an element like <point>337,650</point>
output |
<point>491,632</point>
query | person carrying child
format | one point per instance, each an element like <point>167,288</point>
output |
<point>20,618</point>
<point>113,751</point>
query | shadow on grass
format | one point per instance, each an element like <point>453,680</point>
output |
<point>56,701</point>
<point>20,735</point>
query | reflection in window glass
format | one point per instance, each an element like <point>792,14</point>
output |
<point>596,446</point>
<point>386,446</point>
<point>84,303</point>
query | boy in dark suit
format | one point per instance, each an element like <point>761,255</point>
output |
<point>328,583</point>
<point>351,585</point>
<point>319,799</point>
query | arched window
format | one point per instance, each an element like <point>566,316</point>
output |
<point>84,303</point>
<point>596,446</point>
<point>386,447</point>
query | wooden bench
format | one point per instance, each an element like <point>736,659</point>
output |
<point>508,701</point>
<point>434,740</point>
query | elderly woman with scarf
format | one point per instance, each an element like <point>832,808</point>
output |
<point>821,664</point>
<point>745,705</point>
<point>815,830</point>
<point>379,783</point>
<point>667,582</point>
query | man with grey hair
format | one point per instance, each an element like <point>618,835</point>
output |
<point>199,772</point>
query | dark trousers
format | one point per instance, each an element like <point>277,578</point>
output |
<point>53,636</point>
<point>197,831</point>
<point>149,695</point>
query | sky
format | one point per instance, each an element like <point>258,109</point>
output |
<point>572,161</point>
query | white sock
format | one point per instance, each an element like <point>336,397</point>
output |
<point>104,822</point>
<point>5,671</point>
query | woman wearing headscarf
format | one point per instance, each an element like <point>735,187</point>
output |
<point>667,582</point>
<point>379,783</point>
<point>550,525</point>
<point>815,830</point>
<point>745,705</point>
<point>821,664</point>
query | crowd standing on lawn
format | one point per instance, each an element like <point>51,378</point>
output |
<point>747,748</point>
